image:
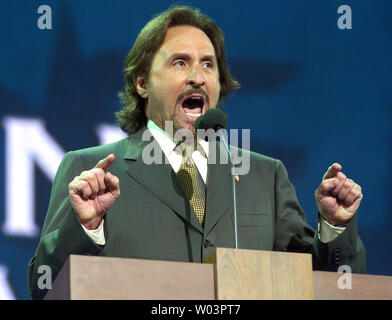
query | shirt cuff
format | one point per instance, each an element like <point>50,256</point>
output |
<point>326,231</point>
<point>96,235</point>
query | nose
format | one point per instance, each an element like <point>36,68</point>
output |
<point>196,76</point>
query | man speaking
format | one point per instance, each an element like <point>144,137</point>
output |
<point>180,209</point>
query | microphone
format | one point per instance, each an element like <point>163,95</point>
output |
<point>216,119</point>
<point>212,119</point>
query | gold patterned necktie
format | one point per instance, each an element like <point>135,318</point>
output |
<point>192,183</point>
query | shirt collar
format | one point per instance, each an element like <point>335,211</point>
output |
<point>166,141</point>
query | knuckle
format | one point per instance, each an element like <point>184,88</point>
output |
<point>71,186</point>
<point>90,175</point>
<point>341,175</point>
<point>98,171</point>
<point>324,184</point>
<point>83,174</point>
<point>348,183</point>
<point>348,201</point>
<point>84,184</point>
<point>341,195</point>
<point>92,179</point>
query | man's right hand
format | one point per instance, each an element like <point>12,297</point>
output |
<point>93,193</point>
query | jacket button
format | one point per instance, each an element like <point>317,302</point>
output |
<point>337,256</point>
<point>207,243</point>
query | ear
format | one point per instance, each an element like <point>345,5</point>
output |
<point>141,86</point>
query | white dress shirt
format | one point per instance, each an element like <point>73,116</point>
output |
<point>174,154</point>
<point>326,231</point>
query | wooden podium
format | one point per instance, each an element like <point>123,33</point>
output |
<point>228,274</point>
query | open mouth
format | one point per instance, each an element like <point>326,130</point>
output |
<point>193,106</point>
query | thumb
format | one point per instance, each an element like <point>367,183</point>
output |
<point>326,186</point>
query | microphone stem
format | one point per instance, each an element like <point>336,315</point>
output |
<point>222,137</point>
<point>234,207</point>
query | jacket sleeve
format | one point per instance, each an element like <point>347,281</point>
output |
<point>293,234</point>
<point>62,234</point>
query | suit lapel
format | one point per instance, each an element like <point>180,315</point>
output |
<point>219,190</point>
<point>158,178</point>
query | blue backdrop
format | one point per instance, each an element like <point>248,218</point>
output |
<point>312,94</point>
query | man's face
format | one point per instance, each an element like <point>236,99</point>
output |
<point>184,79</point>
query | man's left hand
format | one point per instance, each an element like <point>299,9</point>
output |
<point>337,197</point>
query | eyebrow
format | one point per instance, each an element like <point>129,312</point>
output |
<point>208,57</point>
<point>186,56</point>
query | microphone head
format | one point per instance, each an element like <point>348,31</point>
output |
<point>212,119</point>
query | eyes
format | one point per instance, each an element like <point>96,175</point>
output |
<point>182,63</point>
<point>208,64</point>
<point>179,63</point>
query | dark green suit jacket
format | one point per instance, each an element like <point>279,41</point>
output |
<point>152,219</point>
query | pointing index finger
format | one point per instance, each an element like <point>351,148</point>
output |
<point>332,171</point>
<point>105,163</point>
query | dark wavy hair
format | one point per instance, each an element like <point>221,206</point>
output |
<point>132,115</point>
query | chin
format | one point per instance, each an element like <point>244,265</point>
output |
<point>183,124</point>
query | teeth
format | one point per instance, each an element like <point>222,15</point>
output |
<point>193,114</point>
